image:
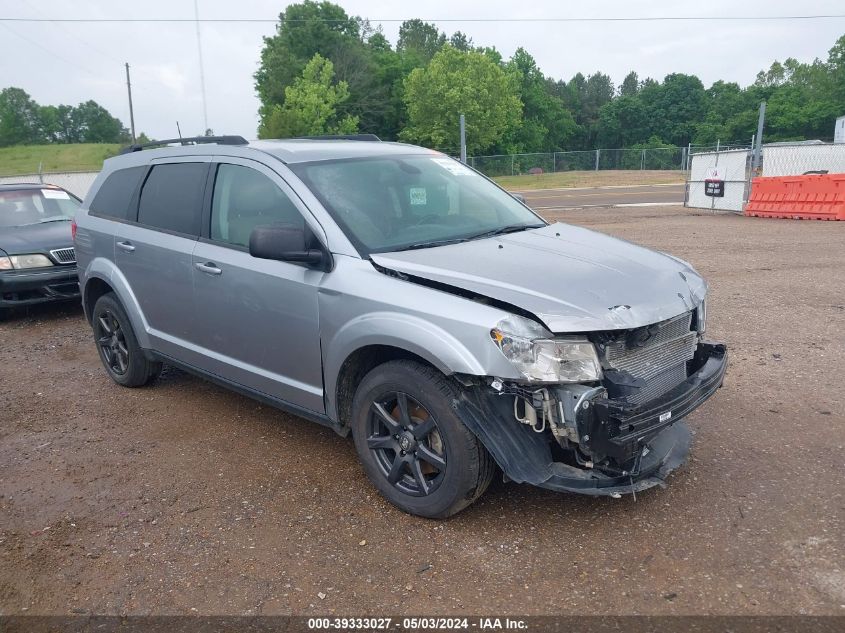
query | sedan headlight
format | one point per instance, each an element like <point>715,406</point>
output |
<point>16,262</point>
<point>541,357</point>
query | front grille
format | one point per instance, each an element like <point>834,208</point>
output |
<point>64,255</point>
<point>661,361</point>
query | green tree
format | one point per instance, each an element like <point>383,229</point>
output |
<point>304,29</point>
<point>310,106</point>
<point>461,41</point>
<point>584,97</point>
<point>623,122</point>
<point>420,39</point>
<point>350,43</point>
<point>94,124</point>
<point>19,118</point>
<point>547,126</point>
<point>730,117</point>
<point>675,107</point>
<point>457,83</point>
<point>630,85</point>
<point>836,63</point>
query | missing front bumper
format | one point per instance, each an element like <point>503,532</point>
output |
<point>633,447</point>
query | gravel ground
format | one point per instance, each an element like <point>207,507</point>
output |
<point>185,498</point>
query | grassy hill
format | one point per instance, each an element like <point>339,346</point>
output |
<point>605,178</point>
<point>24,159</point>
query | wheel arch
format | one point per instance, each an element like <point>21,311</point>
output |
<point>102,276</point>
<point>372,339</point>
<point>357,365</point>
<point>95,288</point>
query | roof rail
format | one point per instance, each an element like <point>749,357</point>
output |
<point>192,140</point>
<point>340,137</point>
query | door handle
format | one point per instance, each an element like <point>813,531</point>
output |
<point>208,267</point>
<point>126,246</point>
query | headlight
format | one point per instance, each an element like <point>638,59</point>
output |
<point>701,316</point>
<point>539,356</point>
<point>24,261</point>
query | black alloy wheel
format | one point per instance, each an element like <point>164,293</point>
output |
<point>112,342</point>
<point>406,443</point>
<point>124,360</point>
<point>414,446</point>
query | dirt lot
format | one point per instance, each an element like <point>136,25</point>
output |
<point>185,498</point>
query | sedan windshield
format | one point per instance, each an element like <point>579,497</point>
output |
<point>403,202</point>
<point>20,207</point>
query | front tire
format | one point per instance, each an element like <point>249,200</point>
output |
<point>412,444</point>
<point>119,351</point>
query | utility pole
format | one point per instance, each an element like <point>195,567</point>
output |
<point>202,71</point>
<point>758,148</point>
<point>463,140</point>
<point>131,112</point>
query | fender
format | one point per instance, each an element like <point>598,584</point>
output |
<point>395,329</point>
<point>104,269</point>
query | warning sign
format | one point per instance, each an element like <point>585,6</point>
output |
<point>714,188</point>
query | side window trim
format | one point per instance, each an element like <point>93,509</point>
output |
<point>135,200</point>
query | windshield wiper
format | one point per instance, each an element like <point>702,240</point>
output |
<point>55,219</point>
<point>511,228</point>
<point>502,230</point>
<point>456,240</point>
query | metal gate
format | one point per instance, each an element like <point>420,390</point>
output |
<point>732,167</point>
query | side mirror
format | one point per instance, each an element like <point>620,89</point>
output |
<point>283,242</point>
<point>518,196</point>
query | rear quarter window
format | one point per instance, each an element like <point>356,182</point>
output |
<point>171,198</point>
<point>115,194</point>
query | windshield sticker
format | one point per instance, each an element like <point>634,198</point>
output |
<point>418,196</point>
<point>452,166</point>
<point>55,194</point>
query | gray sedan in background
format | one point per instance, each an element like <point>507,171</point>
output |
<point>37,262</point>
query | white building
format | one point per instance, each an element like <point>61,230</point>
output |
<point>839,133</point>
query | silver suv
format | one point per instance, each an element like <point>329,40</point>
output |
<point>391,292</point>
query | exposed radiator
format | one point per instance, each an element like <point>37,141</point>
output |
<point>661,361</point>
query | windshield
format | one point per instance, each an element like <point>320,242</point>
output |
<point>20,207</point>
<point>400,202</point>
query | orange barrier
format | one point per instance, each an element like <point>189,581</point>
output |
<point>816,197</point>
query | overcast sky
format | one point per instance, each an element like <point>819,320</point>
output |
<point>73,62</point>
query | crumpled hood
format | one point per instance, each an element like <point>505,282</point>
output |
<point>32,238</point>
<point>571,278</point>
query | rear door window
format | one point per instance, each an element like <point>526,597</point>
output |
<point>171,198</point>
<point>112,200</point>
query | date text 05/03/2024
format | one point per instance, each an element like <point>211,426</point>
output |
<point>417,624</point>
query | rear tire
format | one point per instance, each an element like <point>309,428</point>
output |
<point>412,444</point>
<point>118,347</point>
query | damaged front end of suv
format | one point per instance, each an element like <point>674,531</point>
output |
<point>605,350</point>
<point>605,409</point>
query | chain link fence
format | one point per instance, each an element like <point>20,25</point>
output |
<point>796,159</point>
<point>77,182</point>
<point>655,158</point>
<point>733,167</point>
